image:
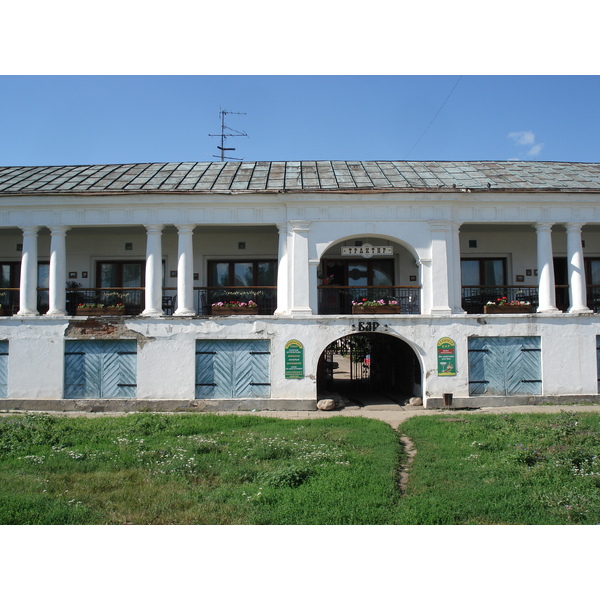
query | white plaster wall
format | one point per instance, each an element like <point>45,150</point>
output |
<point>166,350</point>
<point>35,357</point>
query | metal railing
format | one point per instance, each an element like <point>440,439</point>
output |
<point>475,297</point>
<point>131,298</point>
<point>264,296</point>
<point>337,299</point>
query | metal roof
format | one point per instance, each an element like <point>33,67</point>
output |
<point>301,176</point>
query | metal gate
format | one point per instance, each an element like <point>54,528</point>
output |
<point>100,368</point>
<point>3,368</point>
<point>505,366</point>
<point>233,369</point>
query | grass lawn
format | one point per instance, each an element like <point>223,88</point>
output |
<point>207,469</point>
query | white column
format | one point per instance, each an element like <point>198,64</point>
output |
<point>441,268</point>
<point>185,272</point>
<point>153,272</point>
<point>300,296</point>
<point>577,286</point>
<point>57,295</point>
<point>546,290</point>
<point>29,273</point>
<point>283,275</point>
<point>313,283</point>
<point>456,270</point>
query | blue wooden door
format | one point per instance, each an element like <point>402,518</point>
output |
<point>100,368</point>
<point>3,368</point>
<point>505,366</point>
<point>232,369</point>
<point>598,360</point>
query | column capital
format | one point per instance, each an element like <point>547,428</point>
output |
<point>300,226</point>
<point>574,227</point>
<point>59,229</point>
<point>542,226</point>
<point>30,229</point>
<point>186,228</point>
<point>157,229</point>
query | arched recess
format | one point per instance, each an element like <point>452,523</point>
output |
<point>368,368</point>
<point>389,271</point>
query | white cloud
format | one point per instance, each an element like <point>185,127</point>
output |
<point>535,150</point>
<point>523,138</point>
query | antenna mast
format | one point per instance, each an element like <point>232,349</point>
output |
<point>224,135</point>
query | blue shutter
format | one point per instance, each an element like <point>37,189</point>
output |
<point>598,360</point>
<point>100,368</point>
<point>523,366</point>
<point>3,368</point>
<point>232,369</point>
<point>505,366</point>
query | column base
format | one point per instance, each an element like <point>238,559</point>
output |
<point>184,312</point>
<point>28,313</point>
<point>550,309</point>
<point>439,310</point>
<point>301,311</point>
<point>56,313</point>
<point>152,312</point>
<point>583,310</point>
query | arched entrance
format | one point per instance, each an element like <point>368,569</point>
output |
<point>367,369</point>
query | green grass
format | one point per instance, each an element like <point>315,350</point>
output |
<point>195,469</point>
<point>208,469</point>
<point>504,469</point>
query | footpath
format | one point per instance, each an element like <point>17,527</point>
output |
<point>391,415</point>
<point>399,414</point>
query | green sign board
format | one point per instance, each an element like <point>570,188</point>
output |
<point>446,352</point>
<point>294,360</point>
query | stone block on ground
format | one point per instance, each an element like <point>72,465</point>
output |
<point>326,404</point>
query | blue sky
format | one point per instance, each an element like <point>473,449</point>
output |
<point>55,120</point>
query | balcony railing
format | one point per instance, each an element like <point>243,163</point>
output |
<point>337,299</point>
<point>333,300</point>
<point>264,296</point>
<point>131,298</point>
<point>475,297</point>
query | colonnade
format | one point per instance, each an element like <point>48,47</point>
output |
<point>297,273</point>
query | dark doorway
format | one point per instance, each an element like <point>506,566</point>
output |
<point>369,368</point>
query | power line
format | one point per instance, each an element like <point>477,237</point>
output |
<point>434,117</point>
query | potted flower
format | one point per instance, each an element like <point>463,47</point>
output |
<point>91,309</point>
<point>235,307</point>
<point>504,306</point>
<point>381,306</point>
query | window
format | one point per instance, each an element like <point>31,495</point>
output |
<point>359,273</point>
<point>255,273</point>
<point>120,274</point>
<point>483,271</point>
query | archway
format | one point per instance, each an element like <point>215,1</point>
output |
<point>366,369</point>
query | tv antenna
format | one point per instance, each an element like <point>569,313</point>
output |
<point>225,134</point>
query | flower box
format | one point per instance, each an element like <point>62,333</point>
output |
<point>98,312</point>
<point>376,310</point>
<point>507,309</point>
<point>234,310</point>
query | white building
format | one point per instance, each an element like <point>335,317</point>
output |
<point>303,240</point>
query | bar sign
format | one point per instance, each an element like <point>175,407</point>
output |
<point>294,360</point>
<point>446,351</point>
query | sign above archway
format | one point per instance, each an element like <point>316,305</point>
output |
<point>367,250</point>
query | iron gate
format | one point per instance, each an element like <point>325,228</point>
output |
<point>3,368</point>
<point>505,366</point>
<point>233,369</point>
<point>100,368</point>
